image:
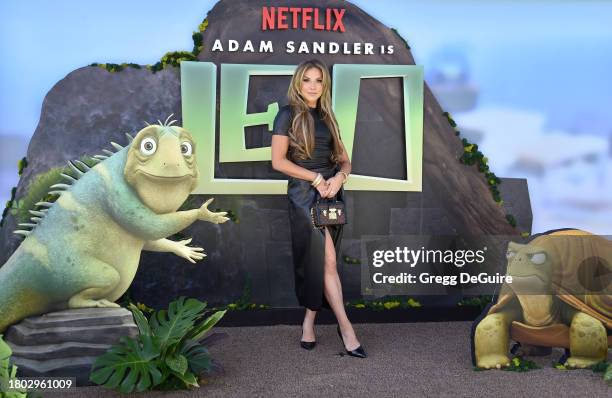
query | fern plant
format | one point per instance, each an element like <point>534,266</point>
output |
<point>168,353</point>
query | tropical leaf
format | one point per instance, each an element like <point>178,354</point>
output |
<point>141,321</point>
<point>177,363</point>
<point>172,325</point>
<point>608,374</point>
<point>201,329</point>
<point>129,366</point>
<point>188,379</point>
<point>198,357</point>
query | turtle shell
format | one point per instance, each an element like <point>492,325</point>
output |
<point>581,274</point>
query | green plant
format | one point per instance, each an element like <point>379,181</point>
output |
<point>38,191</point>
<point>168,353</point>
<point>244,302</point>
<point>480,301</point>
<point>21,166</point>
<point>7,372</point>
<point>472,156</point>
<point>517,364</point>
<point>605,368</point>
<point>388,303</point>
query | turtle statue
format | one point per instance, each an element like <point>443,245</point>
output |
<point>559,296</point>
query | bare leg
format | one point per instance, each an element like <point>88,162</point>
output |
<point>308,334</point>
<point>333,293</point>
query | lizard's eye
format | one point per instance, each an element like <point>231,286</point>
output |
<point>186,148</point>
<point>148,146</point>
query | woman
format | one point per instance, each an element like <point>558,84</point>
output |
<point>306,146</point>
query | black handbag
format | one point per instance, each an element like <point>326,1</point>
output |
<point>327,212</point>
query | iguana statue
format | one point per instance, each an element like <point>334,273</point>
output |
<point>83,250</point>
<point>560,296</point>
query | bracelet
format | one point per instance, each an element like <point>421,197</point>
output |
<point>344,174</point>
<point>317,180</point>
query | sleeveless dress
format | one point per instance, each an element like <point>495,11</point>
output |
<point>308,242</point>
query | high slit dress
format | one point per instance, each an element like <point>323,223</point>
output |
<point>308,242</point>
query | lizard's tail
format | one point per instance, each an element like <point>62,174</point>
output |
<point>17,300</point>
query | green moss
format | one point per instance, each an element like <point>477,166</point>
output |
<point>172,58</point>
<point>21,165</point>
<point>472,156</point>
<point>38,191</point>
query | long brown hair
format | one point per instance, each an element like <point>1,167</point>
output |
<point>301,135</point>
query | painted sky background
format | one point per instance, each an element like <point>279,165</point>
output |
<point>530,60</point>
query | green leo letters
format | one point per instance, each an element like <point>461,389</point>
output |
<point>198,89</point>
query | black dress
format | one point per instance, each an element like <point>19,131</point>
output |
<point>308,242</point>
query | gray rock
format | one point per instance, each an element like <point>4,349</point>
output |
<point>66,343</point>
<point>90,107</point>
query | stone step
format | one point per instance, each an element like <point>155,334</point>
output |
<point>99,312</point>
<point>78,319</point>
<point>57,351</point>
<point>78,368</point>
<point>22,335</point>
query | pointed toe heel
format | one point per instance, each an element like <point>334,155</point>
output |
<point>308,345</point>
<point>358,352</point>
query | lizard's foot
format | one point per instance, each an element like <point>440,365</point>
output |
<point>77,302</point>
<point>580,362</point>
<point>493,361</point>
<point>108,303</point>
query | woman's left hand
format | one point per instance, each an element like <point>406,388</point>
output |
<point>335,184</point>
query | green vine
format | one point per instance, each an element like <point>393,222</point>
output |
<point>472,156</point>
<point>172,58</point>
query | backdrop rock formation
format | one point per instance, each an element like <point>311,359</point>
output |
<point>91,107</point>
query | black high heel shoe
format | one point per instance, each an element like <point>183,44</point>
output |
<point>307,345</point>
<point>358,352</point>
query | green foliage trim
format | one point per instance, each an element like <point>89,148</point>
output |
<point>21,166</point>
<point>244,302</point>
<point>480,301</point>
<point>167,354</point>
<point>350,260</point>
<point>112,68</point>
<point>388,303</point>
<point>7,372</point>
<point>517,364</point>
<point>38,191</point>
<point>472,156</point>
<point>172,58</point>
